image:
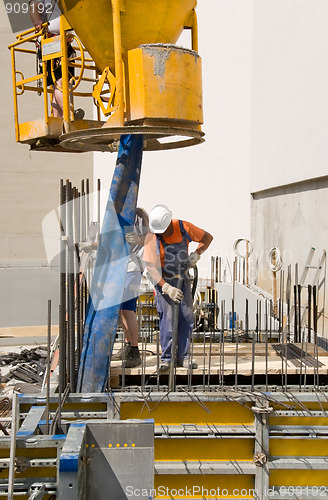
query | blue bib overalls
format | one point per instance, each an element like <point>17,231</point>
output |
<point>174,255</point>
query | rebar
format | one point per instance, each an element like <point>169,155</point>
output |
<point>62,299</point>
<point>48,366</point>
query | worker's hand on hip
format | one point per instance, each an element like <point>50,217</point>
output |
<point>132,239</point>
<point>193,259</point>
<point>174,293</point>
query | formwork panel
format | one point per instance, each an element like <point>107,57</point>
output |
<point>308,447</point>
<point>195,486</point>
<point>295,477</point>
<point>176,412</point>
<point>216,448</point>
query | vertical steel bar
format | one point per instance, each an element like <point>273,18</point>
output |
<point>191,358</point>
<point>266,345</point>
<point>295,314</point>
<point>48,366</point>
<point>281,319</point>
<point>98,200</point>
<point>83,214</point>
<point>288,299</point>
<point>78,277</point>
<point>246,322</point>
<point>309,311</point>
<point>305,357</point>
<point>143,358</point>
<point>315,333</point>
<point>247,262</point>
<point>253,344</point>
<point>222,342</point>
<point>259,330</point>
<point>14,427</point>
<point>232,320</point>
<point>270,320</point>
<point>213,308</point>
<point>301,360</point>
<point>62,300</point>
<point>212,270</point>
<point>157,358</point>
<point>299,299</point>
<point>236,362</point>
<point>204,339</point>
<point>71,297</point>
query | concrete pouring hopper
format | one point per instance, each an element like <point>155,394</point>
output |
<point>143,83</point>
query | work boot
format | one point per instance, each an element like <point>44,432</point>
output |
<point>132,358</point>
<point>119,355</point>
<point>184,363</point>
<point>163,368</point>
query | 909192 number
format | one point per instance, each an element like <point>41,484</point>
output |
<point>307,491</point>
<point>24,8</point>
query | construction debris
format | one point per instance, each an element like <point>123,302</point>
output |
<point>28,365</point>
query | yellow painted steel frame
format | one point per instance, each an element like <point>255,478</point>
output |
<point>48,126</point>
<point>178,107</point>
<point>221,444</point>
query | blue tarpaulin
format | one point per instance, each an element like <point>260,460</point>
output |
<point>110,267</point>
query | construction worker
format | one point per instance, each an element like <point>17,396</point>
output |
<point>136,240</point>
<point>166,248</point>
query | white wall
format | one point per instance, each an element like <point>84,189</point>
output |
<point>209,184</point>
<point>289,95</point>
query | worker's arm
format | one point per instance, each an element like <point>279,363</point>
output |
<point>155,275</point>
<point>204,243</point>
<point>37,14</point>
<point>174,293</point>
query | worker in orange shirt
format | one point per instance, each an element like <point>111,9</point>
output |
<point>166,249</point>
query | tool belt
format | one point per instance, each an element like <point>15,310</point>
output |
<point>170,276</point>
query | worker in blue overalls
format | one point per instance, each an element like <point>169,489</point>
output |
<point>166,248</point>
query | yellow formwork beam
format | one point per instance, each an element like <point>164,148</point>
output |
<point>310,447</point>
<point>204,449</point>
<point>176,412</point>
<point>200,486</point>
<point>301,421</point>
<point>296,477</point>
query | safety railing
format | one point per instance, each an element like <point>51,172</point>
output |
<point>79,74</point>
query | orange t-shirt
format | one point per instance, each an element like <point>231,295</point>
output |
<point>151,249</point>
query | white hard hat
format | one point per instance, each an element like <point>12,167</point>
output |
<point>159,219</point>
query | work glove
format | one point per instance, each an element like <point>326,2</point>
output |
<point>132,239</point>
<point>193,259</point>
<point>174,293</point>
<point>85,246</point>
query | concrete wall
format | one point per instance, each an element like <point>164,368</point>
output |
<point>293,218</point>
<point>289,143</point>
<point>29,189</point>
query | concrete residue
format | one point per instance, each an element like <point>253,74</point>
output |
<point>161,56</point>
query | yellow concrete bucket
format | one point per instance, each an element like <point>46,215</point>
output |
<point>156,87</point>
